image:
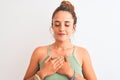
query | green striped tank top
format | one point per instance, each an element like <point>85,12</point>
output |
<point>73,63</point>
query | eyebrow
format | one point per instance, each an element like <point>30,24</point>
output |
<point>65,21</point>
<point>56,21</point>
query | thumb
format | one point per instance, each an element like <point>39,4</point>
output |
<point>66,59</point>
<point>48,59</point>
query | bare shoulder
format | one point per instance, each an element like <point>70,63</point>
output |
<point>86,63</point>
<point>39,52</point>
<point>81,51</point>
<point>36,57</point>
<point>40,49</point>
<point>82,54</point>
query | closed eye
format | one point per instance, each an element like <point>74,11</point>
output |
<point>57,23</point>
<point>67,25</point>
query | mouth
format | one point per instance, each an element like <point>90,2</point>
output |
<point>61,34</point>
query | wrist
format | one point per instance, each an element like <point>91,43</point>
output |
<point>36,77</point>
<point>41,74</point>
<point>70,73</point>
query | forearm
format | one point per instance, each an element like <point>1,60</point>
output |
<point>38,76</point>
<point>35,77</point>
<point>72,75</point>
<point>31,78</point>
<point>79,77</point>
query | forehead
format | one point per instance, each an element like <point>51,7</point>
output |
<point>63,16</point>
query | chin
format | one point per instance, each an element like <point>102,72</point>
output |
<point>62,39</point>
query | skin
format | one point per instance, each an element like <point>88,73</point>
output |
<point>63,28</point>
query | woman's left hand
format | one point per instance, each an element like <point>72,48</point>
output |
<point>66,68</point>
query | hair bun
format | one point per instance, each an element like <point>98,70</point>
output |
<point>67,4</point>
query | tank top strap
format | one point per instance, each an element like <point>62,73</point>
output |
<point>48,51</point>
<point>48,54</point>
<point>74,49</point>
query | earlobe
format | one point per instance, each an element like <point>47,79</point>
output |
<point>74,28</point>
<point>51,29</point>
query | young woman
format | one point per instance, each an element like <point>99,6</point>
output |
<point>61,60</point>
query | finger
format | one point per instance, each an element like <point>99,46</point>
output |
<point>48,59</point>
<point>59,62</point>
<point>57,59</point>
<point>54,57</point>
<point>58,66</point>
<point>66,58</point>
<point>53,60</point>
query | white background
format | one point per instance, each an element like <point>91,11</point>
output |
<point>24,25</point>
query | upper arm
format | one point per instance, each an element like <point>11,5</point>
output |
<point>88,71</point>
<point>33,65</point>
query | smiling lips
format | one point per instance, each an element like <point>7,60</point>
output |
<point>61,34</point>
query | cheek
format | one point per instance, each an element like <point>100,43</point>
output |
<point>69,33</point>
<point>71,30</point>
<point>55,31</point>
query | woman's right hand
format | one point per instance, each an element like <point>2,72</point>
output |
<point>51,66</point>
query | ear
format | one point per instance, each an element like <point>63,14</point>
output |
<point>51,28</point>
<point>74,27</point>
<point>52,25</point>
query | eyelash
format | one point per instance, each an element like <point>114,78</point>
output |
<point>67,25</point>
<point>59,25</point>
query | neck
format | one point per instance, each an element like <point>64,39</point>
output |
<point>62,45</point>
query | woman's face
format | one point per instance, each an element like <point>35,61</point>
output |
<point>63,26</point>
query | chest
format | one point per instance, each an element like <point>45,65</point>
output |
<point>68,52</point>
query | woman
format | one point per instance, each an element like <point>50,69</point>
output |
<point>61,60</point>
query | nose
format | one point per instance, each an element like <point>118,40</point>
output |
<point>62,28</point>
